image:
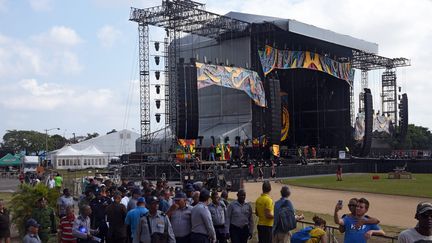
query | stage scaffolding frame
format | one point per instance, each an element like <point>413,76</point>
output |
<point>365,62</point>
<point>175,16</point>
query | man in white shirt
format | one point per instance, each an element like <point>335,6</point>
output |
<point>423,231</point>
<point>51,182</point>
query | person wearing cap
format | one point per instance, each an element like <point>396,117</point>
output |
<point>423,230</point>
<point>125,198</point>
<point>264,211</point>
<point>202,224</point>
<point>32,228</point>
<point>81,228</point>
<point>98,207</point>
<point>116,214</point>
<point>45,216</point>
<point>189,190</point>
<point>278,235</point>
<point>65,200</point>
<point>218,212</point>
<point>136,193</point>
<point>180,216</point>
<point>154,225</point>
<point>240,219</point>
<point>133,217</point>
<point>354,233</point>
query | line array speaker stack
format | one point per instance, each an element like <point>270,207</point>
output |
<point>187,101</point>
<point>274,109</point>
<point>368,109</point>
<point>403,115</point>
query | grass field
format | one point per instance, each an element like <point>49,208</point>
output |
<point>418,186</point>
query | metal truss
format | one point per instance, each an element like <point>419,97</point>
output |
<point>189,17</point>
<point>389,95</point>
<point>175,16</point>
<point>369,61</point>
<point>143,33</point>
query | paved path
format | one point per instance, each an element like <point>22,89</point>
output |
<point>390,210</point>
<point>8,185</point>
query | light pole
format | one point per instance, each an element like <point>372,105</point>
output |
<point>46,140</point>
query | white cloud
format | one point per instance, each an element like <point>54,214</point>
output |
<point>3,6</point>
<point>41,5</point>
<point>45,54</point>
<point>108,35</point>
<point>31,95</point>
<point>59,36</point>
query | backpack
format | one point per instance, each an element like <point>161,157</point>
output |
<point>302,236</point>
<point>285,220</point>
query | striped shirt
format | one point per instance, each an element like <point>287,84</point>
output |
<point>65,228</point>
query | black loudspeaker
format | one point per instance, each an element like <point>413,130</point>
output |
<point>187,102</point>
<point>403,115</point>
<point>368,109</point>
<point>274,121</point>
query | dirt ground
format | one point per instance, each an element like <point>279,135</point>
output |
<point>390,210</point>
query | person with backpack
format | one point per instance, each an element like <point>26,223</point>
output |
<point>311,234</point>
<point>284,218</point>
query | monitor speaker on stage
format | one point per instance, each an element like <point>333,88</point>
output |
<point>187,101</point>
<point>274,121</point>
<point>368,109</point>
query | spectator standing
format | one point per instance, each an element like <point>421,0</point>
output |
<point>353,232</point>
<point>423,230</point>
<point>352,205</point>
<point>32,228</point>
<point>136,193</point>
<point>4,223</point>
<point>81,227</point>
<point>180,216</point>
<point>164,203</point>
<point>45,217</point>
<point>264,211</point>
<point>239,219</point>
<point>64,201</point>
<point>218,213</point>
<point>339,173</point>
<point>133,217</point>
<point>51,182</point>
<point>154,225</point>
<point>224,198</point>
<point>279,235</point>
<point>202,225</point>
<point>98,207</point>
<point>58,179</point>
<point>251,170</point>
<point>88,197</point>
<point>125,198</point>
<point>116,214</point>
<point>65,226</point>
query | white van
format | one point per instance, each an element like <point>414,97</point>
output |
<point>29,163</point>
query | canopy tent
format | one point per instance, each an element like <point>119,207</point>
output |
<point>10,160</point>
<point>70,158</point>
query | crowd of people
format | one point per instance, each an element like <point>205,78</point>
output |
<point>132,213</point>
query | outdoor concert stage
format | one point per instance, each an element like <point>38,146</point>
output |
<point>284,80</point>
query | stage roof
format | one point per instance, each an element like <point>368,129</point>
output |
<point>309,31</point>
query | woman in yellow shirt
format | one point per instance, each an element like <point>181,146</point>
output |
<point>318,233</point>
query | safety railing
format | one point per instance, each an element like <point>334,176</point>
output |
<point>331,236</point>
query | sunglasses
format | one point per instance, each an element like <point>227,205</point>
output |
<point>352,205</point>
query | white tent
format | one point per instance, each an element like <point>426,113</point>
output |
<point>70,158</point>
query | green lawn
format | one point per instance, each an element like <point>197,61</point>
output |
<point>418,186</point>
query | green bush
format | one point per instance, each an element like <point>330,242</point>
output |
<point>25,199</point>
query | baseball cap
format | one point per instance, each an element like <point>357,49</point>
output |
<point>136,191</point>
<point>153,199</point>
<point>32,222</point>
<point>423,207</point>
<point>141,200</point>
<point>189,188</point>
<point>180,195</point>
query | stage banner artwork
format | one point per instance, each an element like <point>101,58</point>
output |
<point>381,124</point>
<point>272,58</point>
<point>359,127</point>
<point>285,118</point>
<point>232,77</point>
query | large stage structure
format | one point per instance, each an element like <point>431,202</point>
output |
<point>240,78</point>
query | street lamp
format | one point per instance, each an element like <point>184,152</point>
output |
<point>46,140</point>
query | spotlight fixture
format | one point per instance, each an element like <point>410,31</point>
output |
<point>157,59</point>
<point>157,88</point>
<point>157,75</point>
<point>158,102</point>
<point>156,44</point>
<point>158,117</point>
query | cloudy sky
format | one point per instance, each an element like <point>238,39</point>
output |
<point>73,64</point>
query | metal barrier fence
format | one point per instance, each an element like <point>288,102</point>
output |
<point>331,236</point>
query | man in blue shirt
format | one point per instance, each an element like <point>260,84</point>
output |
<point>133,217</point>
<point>354,232</point>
